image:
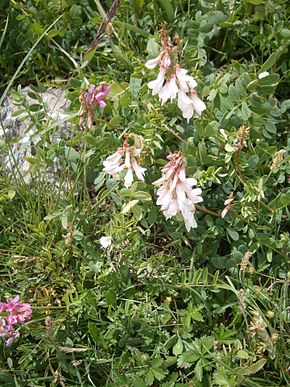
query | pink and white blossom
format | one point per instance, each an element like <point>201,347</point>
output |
<point>125,159</point>
<point>175,193</point>
<point>228,205</point>
<point>173,81</point>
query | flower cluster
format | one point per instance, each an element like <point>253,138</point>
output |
<point>94,96</point>
<point>175,193</point>
<point>12,312</point>
<point>173,81</point>
<point>125,159</point>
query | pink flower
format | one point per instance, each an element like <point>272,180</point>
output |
<point>228,205</point>
<point>116,163</point>
<point>165,61</point>
<point>15,313</point>
<point>94,96</point>
<point>175,193</point>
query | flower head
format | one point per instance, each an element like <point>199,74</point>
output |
<point>13,313</point>
<point>92,97</point>
<point>175,193</point>
<point>278,157</point>
<point>105,241</point>
<point>173,81</point>
<point>125,159</point>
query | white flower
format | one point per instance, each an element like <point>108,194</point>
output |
<point>175,193</point>
<point>169,91</point>
<point>112,164</point>
<point>157,84</point>
<point>263,74</point>
<point>186,82</point>
<point>152,63</point>
<point>223,133</point>
<point>115,163</point>
<point>106,241</point>
<point>189,104</point>
<point>198,104</point>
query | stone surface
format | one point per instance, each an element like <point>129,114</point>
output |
<point>22,134</point>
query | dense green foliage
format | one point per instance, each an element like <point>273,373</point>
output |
<point>161,306</point>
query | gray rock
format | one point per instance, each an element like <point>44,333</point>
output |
<point>24,130</point>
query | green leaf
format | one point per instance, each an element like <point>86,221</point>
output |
<point>135,84</point>
<point>215,17</point>
<point>153,48</point>
<point>268,84</point>
<point>138,382</point>
<point>71,154</point>
<point>168,8</point>
<point>94,332</point>
<point>89,55</point>
<point>111,297</point>
<point>245,112</point>
<point>242,354</point>
<point>129,206</point>
<point>250,370</point>
<point>283,200</point>
<point>142,195</point>
<point>159,374</point>
<point>11,193</point>
<point>269,63</point>
<point>178,347</point>
<point>233,234</point>
<point>137,212</point>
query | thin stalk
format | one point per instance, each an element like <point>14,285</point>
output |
<point>203,209</point>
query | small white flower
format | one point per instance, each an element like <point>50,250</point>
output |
<point>185,82</point>
<point>169,91</point>
<point>106,241</point>
<point>263,74</point>
<point>198,104</point>
<point>189,104</point>
<point>138,170</point>
<point>152,63</point>
<point>129,178</point>
<point>157,84</point>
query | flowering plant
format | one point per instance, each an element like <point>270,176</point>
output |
<point>12,313</point>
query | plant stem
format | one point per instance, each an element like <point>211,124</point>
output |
<point>203,209</point>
